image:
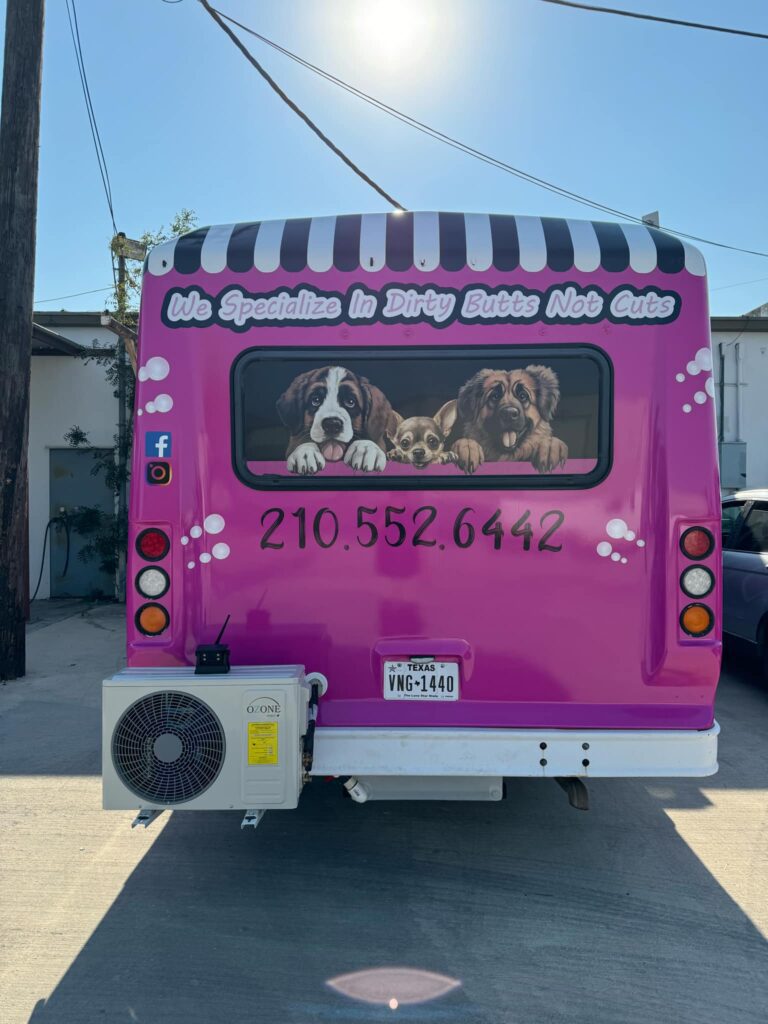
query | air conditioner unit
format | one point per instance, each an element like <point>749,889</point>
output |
<point>174,740</point>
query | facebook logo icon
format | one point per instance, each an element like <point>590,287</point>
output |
<point>158,444</point>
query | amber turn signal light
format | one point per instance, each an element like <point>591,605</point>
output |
<point>152,619</point>
<point>697,619</point>
<point>697,543</point>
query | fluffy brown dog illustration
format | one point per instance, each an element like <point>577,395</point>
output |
<point>420,440</point>
<point>505,416</point>
<point>334,414</point>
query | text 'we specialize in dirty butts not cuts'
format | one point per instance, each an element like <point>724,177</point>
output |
<point>238,310</point>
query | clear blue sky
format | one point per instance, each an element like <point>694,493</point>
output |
<point>639,116</point>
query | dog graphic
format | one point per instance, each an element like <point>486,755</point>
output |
<point>334,414</point>
<point>505,416</point>
<point>420,440</point>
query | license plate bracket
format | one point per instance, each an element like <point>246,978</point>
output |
<point>421,679</point>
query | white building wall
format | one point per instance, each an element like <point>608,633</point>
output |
<point>65,391</point>
<point>744,396</point>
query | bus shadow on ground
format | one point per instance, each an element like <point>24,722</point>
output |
<point>544,914</point>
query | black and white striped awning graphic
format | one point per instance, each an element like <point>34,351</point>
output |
<point>424,242</point>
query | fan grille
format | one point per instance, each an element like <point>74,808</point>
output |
<point>168,747</point>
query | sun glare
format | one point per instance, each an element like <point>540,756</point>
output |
<point>393,32</point>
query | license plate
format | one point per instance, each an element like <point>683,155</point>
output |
<point>421,680</point>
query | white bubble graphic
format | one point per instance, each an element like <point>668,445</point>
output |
<point>214,523</point>
<point>693,368</point>
<point>604,549</point>
<point>185,540</point>
<point>615,556</point>
<point>709,386</point>
<point>220,550</point>
<point>700,397</point>
<point>163,403</point>
<point>679,377</point>
<point>623,561</point>
<point>195,531</point>
<point>205,557</point>
<point>629,535</point>
<point>704,359</point>
<point>150,407</point>
<point>143,375</point>
<point>190,565</point>
<point>616,528</point>
<point>687,408</point>
<point>157,368</point>
<point>139,412</point>
<point>641,543</point>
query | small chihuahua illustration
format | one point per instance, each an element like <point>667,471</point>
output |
<point>420,440</point>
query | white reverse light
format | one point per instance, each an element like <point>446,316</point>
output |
<point>697,581</point>
<point>152,582</point>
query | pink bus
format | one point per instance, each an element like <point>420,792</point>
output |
<point>451,481</point>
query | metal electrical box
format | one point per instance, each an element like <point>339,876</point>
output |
<point>733,465</point>
<point>173,740</point>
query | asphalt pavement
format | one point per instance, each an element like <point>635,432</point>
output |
<point>651,907</point>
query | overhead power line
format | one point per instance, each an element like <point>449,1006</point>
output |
<point>74,295</point>
<point>594,9</point>
<point>217,17</point>
<point>471,150</point>
<point>74,30</point>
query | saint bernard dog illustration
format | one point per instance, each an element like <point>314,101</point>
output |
<point>333,414</point>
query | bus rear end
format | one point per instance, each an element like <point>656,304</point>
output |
<point>457,472</point>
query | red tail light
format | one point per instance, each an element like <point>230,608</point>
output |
<point>152,544</point>
<point>697,543</point>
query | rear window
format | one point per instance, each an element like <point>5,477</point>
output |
<point>441,418</point>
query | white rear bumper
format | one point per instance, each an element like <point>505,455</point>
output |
<point>543,753</point>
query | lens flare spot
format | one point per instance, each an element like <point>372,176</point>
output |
<point>401,986</point>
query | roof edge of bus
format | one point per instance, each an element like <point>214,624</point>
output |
<point>425,241</point>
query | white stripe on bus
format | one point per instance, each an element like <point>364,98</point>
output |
<point>533,244</point>
<point>694,260</point>
<point>586,248</point>
<point>642,248</point>
<point>213,255</point>
<point>160,259</point>
<point>266,251</point>
<point>426,241</point>
<point>373,241</point>
<point>320,243</point>
<point>479,241</point>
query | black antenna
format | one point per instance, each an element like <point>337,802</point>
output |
<point>213,659</point>
<point>221,631</point>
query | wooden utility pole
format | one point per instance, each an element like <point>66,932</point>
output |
<point>19,136</point>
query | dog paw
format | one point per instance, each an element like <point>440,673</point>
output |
<point>469,454</point>
<point>550,454</point>
<point>365,455</point>
<point>306,459</point>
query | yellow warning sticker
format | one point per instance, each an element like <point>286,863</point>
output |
<point>262,743</point>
